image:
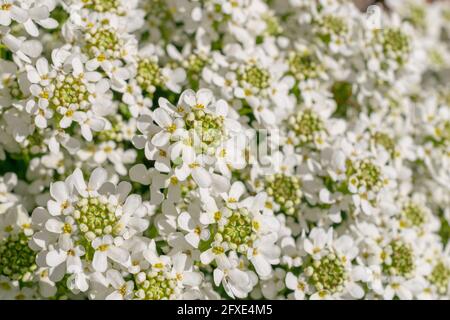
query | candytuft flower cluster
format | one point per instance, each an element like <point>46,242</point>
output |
<point>215,149</point>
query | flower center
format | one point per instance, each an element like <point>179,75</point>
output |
<point>417,15</point>
<point>238,231</point>
<point>158,11</point>
<point>273,27</point>
<point>207,128</point>
<point>254,76</point>
<point>395,44</point>
<point>304,65</point>
<point>69,90</point>
<point>157,285</point>
<point>149,74</point>
<point>196,63</point>
<point>330,28</point>
<point>414,214</point>
<point>328,274</point>
<point>367,174</point>
<point>400,259</point>
<point>440,277</point>
<point>307,125</point>
<point>14,89</point>
<point>285,190</point>
<point>17,260</point>
<point>385,141</point>
<point>95,217</point>
<point>34,143</point>
<point>102,5</point>
<point>103,40</point>
<point>115,133</point>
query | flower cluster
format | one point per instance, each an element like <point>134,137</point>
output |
<point>245,149</point>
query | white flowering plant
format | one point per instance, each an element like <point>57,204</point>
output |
<point>215,149</point>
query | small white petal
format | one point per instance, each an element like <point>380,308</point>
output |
<point>99,262</point>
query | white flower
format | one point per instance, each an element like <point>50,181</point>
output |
<point>66,253</point>
<point>190,134</point>
<point>298,284</point>
<point>196,230</point>
<point>7,197</point>
<point>87,224</point>
<point>237,283</point>
<point>398,287</point>
<point>9,11</point>
<point>104,249</point>
<point>123,290</point>
<point>73,94</point>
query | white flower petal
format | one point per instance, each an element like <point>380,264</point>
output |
<point>117,254</point>
<point>98,177</point>
<point>99,262</point>
<point>55,258</point>
<point>54,225</point>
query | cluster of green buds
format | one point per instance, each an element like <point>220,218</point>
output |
<point>327,275</point>
<point>285,191</point>
<point>34,144</point>
<point>112,6</point>
<point>17,260</point>
<point>62,291</point>
<point>195,63</point>
<point>304,65</point>
<point>273,27</point>
<point>417,15</point>
<point>436,58</point>
<point>398,259</point>
<point>149,75</point>
<point>365,173</point>
<point>206,127</point>
<point>187,186</point>
<point>13,87</point>
<point>384,140</point>
<point>395,44</point>
<point>307,126</point>
<point>105,40</point>
<point>156,284</point>
<point>254,77</point>
<point>69,90</point>
<point>239,231</point>
<point>157,11</point>
<point>95,217</point>
<point>414,214</point>
<point>114,133</point>
<point>331,28</point>
<point>440,277</point>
